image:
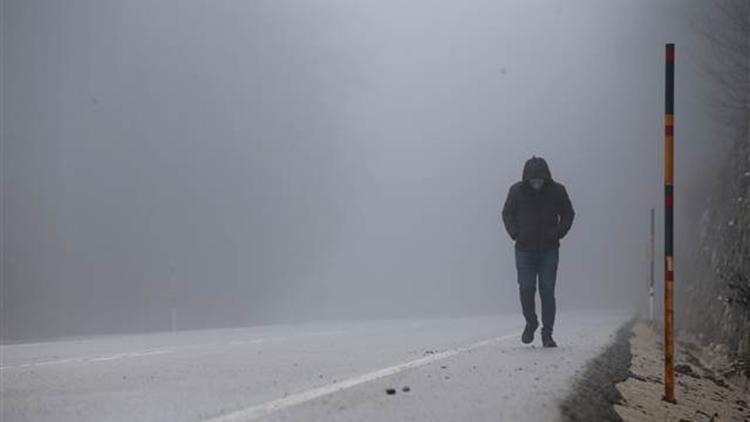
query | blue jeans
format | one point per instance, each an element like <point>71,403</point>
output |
<point>538,268</point>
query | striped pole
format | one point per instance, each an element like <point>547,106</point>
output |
<point>669,227</point>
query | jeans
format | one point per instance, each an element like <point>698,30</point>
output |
<point>541,266</point>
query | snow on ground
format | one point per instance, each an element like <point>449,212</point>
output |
<point>701,394</point>
<point>455,369</point>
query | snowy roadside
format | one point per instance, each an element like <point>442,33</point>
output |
<point>624,383</point>
<point>701,394</point>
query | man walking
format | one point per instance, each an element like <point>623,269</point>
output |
<point>537,214</point>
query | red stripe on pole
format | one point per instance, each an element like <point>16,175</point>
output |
<point>669,130</point>
<point>670,55</point>
<point>669,201</point>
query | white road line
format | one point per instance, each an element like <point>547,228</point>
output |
<point>90,359</point>
<point>256,341</point>
<point>264,409</point>
<point>160,352</point>
<point>132,355</point>
<point>325,333</point>
<point>265,339</point>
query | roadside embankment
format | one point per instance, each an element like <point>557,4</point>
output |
<point>624,383</point>
<point>702,394</point>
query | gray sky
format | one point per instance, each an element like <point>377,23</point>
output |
<point>293,160</point>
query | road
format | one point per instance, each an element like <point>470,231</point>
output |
<point>455,370</point>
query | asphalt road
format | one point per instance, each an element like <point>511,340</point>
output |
<point>455,370</point>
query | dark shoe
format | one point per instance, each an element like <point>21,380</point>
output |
<point>547,341</point>
<point>528,333</point>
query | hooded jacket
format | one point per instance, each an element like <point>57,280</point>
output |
<point>537,219</point>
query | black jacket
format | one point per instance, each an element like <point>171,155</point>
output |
<point>537,220</point>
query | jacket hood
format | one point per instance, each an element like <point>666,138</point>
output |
<point>536,168</point>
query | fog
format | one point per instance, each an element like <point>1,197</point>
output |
<point>255,162</point>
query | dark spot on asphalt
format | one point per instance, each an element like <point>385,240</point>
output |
<point>406,389</point>
<point>390,391</point>
<point>443,367</point>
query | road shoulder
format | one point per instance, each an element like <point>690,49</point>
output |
<point>594,394</point>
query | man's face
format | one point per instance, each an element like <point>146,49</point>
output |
<point>536,183</point>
